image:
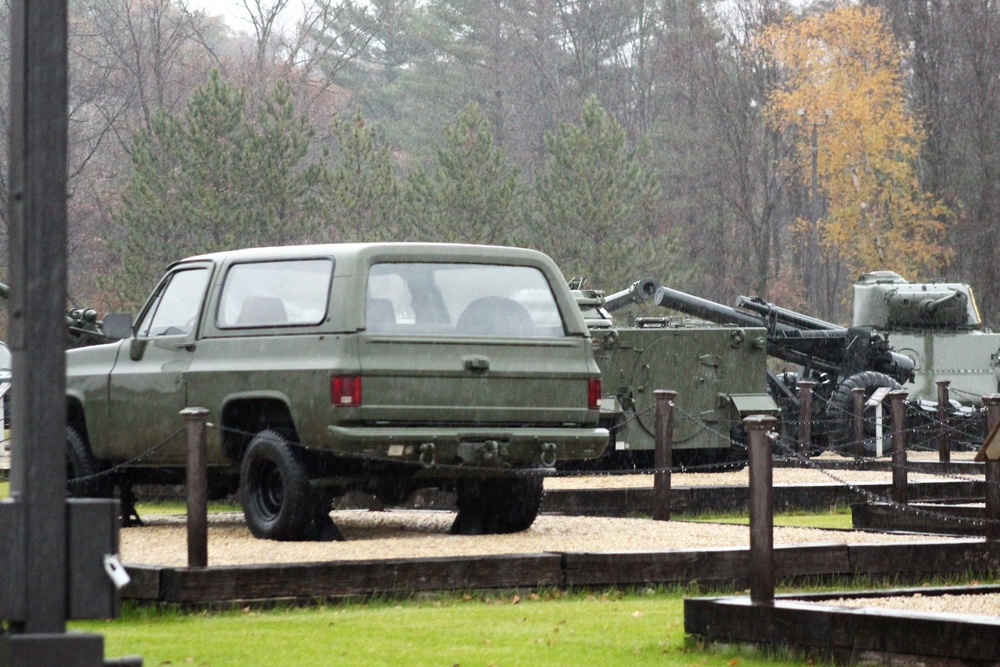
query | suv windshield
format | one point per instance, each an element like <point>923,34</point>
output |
<point>461,299</point>
<point>175,308</point>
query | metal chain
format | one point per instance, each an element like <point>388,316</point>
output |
<point>131,462</point>
<point>901,507</point>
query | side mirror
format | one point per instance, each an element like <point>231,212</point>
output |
<point>117,326</point>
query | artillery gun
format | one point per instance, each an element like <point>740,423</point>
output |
<point>936,325</point>
<point>717,371</point>
<point>83,327</point>
<point>837,358</point>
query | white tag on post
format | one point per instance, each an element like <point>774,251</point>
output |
<point>115,569</point>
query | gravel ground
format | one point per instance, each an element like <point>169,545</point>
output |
<point>780,476</point>
<point>741,477</point>
<point>986,605</point>
<point>394,534</point>
<point>424,533</point>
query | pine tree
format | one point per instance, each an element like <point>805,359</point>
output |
<point>473,194</point>
<point>212,179</point>
<point>596,204</point>
<point>362,195</point>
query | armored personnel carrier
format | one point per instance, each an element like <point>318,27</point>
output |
<point>938,326</point>
<point>718,372</point>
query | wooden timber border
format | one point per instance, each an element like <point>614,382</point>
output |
<point>922,517</point>
<point>692,500</point>
<point>852,635</point>
<point>728,567</point>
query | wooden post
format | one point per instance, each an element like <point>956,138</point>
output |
<point>758,428</point>
<point>992,404</point>
<point>992,471</point>
<point>900,491</point>
<point>197,487</point>
<point>859,422</point>
<point>992,516</point>
<point>805,414</point>
<point>943,435</point>
<point>663,454</point>
<point>40,540</point>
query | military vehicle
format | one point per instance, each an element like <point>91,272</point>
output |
<point>382,368</point>
<point>837,358</point>
<point>718,372</point>
<point>936,325</point>
<point>84,328</point>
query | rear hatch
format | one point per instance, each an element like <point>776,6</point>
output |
<point>470,344</point>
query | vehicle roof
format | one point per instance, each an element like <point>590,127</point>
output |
<point>347,251</point>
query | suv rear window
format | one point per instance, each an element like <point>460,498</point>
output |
<point>275,294</point>
<point>461,299</point>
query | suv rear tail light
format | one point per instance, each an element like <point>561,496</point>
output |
<point>594,394</point>
<point>345,391</point>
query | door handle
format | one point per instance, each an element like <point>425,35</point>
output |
<point>476,363</point>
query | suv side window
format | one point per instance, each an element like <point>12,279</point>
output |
<point>275,294</point>
<point>174,310</point>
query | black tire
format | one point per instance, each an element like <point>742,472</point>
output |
<point>222,485</point>
<point>278,502</point>
<point>497,505</point>
<point>83,469</point>
<point>840,410</point>
<point>321,527</point>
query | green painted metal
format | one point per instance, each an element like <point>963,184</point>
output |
<point>244,334</point>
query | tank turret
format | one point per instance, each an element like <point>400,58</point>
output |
<point>938,326</point>
<point>888,302</point>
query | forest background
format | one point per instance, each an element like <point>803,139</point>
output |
<point>723,147</point>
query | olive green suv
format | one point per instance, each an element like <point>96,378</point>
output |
<point>381,368</point>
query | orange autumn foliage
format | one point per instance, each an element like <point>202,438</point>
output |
<point>877,216</point>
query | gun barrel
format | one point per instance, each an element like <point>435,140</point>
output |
<point>931,307</point>
<point>794,337</point>
<point>785,316</point>
<point>637,292</point>
<point>703,308</point>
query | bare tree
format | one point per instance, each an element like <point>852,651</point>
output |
<point>953,54</point>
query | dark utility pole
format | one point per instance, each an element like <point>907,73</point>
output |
<point>813,275</point>
<point>37,330</point>
<point>52,566</point>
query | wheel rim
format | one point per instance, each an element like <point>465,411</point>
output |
<point>268,489</point>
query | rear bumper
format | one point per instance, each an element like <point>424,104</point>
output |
<point>471,446</point>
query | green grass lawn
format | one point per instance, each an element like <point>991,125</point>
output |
<point>838,517</point>
<point>513,629</point>
<point>550,628</point>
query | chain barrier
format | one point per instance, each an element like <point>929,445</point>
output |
<point>874,497</point>
<point>131,462</point>
<point>786,450</point>
<point>931,419</point>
